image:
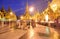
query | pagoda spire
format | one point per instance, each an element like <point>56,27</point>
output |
<point>48,2</point>
<point>27,6</point>
<point>27,9</point>
<point>2,10</point>
<point>49,7</point>
<point>9,9</point>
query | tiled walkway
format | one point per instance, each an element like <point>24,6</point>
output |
<point>13,34</point>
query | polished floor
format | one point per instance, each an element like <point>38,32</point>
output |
<point>40,33</point>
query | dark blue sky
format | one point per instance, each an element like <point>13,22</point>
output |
<point>18,6</point>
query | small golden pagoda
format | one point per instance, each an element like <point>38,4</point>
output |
<point>26,15</point>
<point>10,15</point>
<point>36,15</point>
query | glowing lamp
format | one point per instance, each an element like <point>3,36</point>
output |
<point>31,9</point>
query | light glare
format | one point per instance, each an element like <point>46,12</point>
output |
<point>31,9</point>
